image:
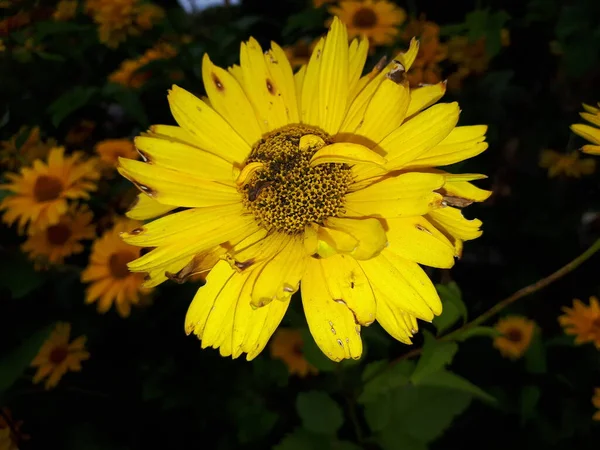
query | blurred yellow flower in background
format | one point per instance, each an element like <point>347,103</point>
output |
<point>582,321</point>
<point>129,75</point>
<point>10,431</point>
<point>55,243</point>
<point>299,53</point>
<point>57,356</point>
<point>516,334</point>
<point>118,19</point>
<point>13,156</point>
<point>425,69</point>
<point>286,345</point>
<point>589,132</point>
<point>596,403</point>
<point>40,193</point>
<point>568,164</point>
<point>377,20</point>
<point>65,10</point>
<point>110,280</point>
<point>110,150</point>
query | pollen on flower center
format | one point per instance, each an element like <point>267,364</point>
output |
<point>364,18</point>
<point>58,234</point>
<point>58,354</point>
<point>287,193</point>
<point>47,188</point>
<point>118,263</point>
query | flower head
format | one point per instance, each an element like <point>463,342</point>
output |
<point>110,280</point>
<point>286,345</point>
<point>590,133</point>
<point>567,164</point>
<point>377,20</point>
<point>14,154</point>
<point>57,356</point>
<point>582,321</point>
<point>40,192</point>
<point>110,150</point>
<point>129,74</point>
<point>515,336</point>
<point>315,181</point>
<point>55,243</point>
<point>596,403</point>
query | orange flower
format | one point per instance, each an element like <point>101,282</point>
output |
<point>582,321</point>
<point>515,336</point>
<point>129,74</point>
<point>425,69</point>
<point>110,150</point>
<point>287,345</point>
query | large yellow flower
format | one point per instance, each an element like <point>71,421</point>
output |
<point>515,336</point>
<point>63,239</point>
<point>377,20</point>
<point>111,281</point>
<point>589,132</point>
<point>323,179</point>
<point>583,321</point>
<point>40,192</point>
<point>567,164</point>
<point>596,403</point>
<point>57,356</point>
<point>287,345</point>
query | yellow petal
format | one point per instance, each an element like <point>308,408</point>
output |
<point>587,132</point>
<point>309,100</point>
<point>281,71</point>
<point>331,242</point>
<point>298,83</point>
<point>592,118</point>
<point>408,58</point>
<point>591,109</point>
<point>348,284</point>
<point>357,56</point>
<point>145,208</point>
<point>204,127</point>
<point>368,232</point>
<point>394,320</point>
<point>404,283</point>
<point>184,158</point>
<point>346,153</point>
<point>404,195</point>
<point>229,100</point>
<point>415,239</point>
<point>331,324</point>
<point>247,172</point>
<point>451,221</point>
<point>423,97</point>
<point>465,190</point>
<point>175,188</point>
<point>591,149</point>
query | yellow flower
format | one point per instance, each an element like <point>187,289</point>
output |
<point>111,281</point>
<point>65,10</point>
<point>588,132</point>
<point>582,321</point>
<point>287,345</point>
<point>12,156</point>
<point>111,149</point>
<point>378,20</point>
<point>596,403</point>
<point>10,431</point>
<point>41,192</point>
<point>57,356</point>
<point>129,75</point>
<point>315,180</point>
<point>425,69</point>
<point>516,333</point>
<point>568,164</point>
<point>58,241</point>
<point>118,19</point>
<point>299,53</point>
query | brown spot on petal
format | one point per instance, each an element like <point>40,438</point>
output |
<point>243,265</point>
<point>380,64</point>
<point>137,231</point>
<point>144,155</point>
<point>422,228</point>
<point>270,87</point>
<point>458,202</point>
<point>218,83</point>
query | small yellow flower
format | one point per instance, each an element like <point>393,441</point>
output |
<point>596,403</point>
<point>299,53</point>
<point>40,193</point>
<point>13,157</point>
<point>110,150</point>
<point>111,281</point>
<point>378,20</point>
<point>588,132</point>
<point>55,243</point>
<point>567,164</point>
<point>582,321</point>
<point>10,431</point>
<point>65,10</point>
<point>287,345</point>
<point>57,356</point>
<point>129,75</point>
<point>516,334</point>
<point>425,69</point>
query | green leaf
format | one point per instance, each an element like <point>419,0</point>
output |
<point>15,363</point>
<point>18,275</point>
<point>254,420</point>
<point>378,413</point>
<point>395,376</point>
<point>530,396</point>
<point>319,413</point>
<point>476,24</point>
<point>477,331</point>
<point>535,357</point>
<point>314,355</point>
<point>453,307</point>
<point>392,439</point>
<point>436,355</point>
<point>304,21</point>
<point>50,56</point>
<point>344,445</point>
<point>301,439</point>
<point>70,102</point>
<point>450,380</point>
<point>493,39</point>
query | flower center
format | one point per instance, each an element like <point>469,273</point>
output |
<point>286,194</point>
<point>118,263</point>
<point>58,354</point>
<point>364,18</point>
<point>58,234</point>
<point>514,335</point>
<point>596,324</point>
<point>47,188</point>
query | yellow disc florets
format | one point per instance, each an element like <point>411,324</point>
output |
<point>286,193</point>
